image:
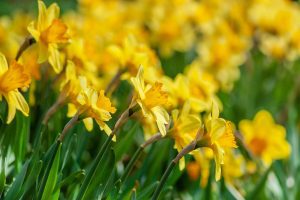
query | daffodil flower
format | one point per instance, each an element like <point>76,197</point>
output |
<point>264,138</point>
<point>92,104</point>
<point>49,32</point>
<point>151,99</point>
<point>11,79</point>
<point>185,129</point>
<point>220,134</point>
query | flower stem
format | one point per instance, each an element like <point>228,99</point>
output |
<point>171,166</point>
<point>87,180</point>
<point>114,81</point>
<point>137,154</point>
<point>131,163</point>
<point>163,180</point>
<point>53,110</point>
<point>68,126</point>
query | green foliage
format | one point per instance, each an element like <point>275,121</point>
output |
<point>45,169</point>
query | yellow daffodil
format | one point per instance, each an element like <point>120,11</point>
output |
<point>29,59</point>
<point>91,104</point>
<point>151,99</point>
<point>130,54</point>
<point>49,32</point>
<point>220,136</point>
<point>70,87</point>
<point>185,128</point>
<point>195,86</point>
<point>234,166</point>
<point>264,138</point>
<point>13,78</point>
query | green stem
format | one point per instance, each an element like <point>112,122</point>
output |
<point>137,154</point>
<point>131,164</point>
<point>171,166</point>
<point>37,141</point>
<point>163,180</point>
<point>87,180</point>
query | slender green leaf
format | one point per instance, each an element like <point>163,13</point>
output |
<point>146,193</point>
<point>52,177</point>
<point>259,186</point>
<point>102,175</point>
<point>14,190</point>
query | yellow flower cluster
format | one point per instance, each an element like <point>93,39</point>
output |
<point>106,42</point>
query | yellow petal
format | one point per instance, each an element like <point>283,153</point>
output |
<point>181,164</point>
<point>42,22</point>
<point>88,123</point>
<point>71,110</point>
<point>32,30</point>
<point>21,103</point>
<point>70,71</point>
<point>175,114</point>
<point>105,127</point>
<point>54,58</point>
<point>138,83</point>
<point>43,52</point>
<point>116,52</point>
<point>3,64</point>
<point>218,128</point>
<point>162,118</point>
<point>52,13</point>
<point>218,156</point>
<point>11,107</point>
<point>81,98</point>
<point>83,82</point>
<point>215,110</point>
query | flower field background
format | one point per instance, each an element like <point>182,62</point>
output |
<point>149,99</point>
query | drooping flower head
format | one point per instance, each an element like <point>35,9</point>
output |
<point>220,134</point>
<point>185,128</point>
<point>49,32</point>
<point>92,104</point>
<point>151,99</point>
<point>13,78</point>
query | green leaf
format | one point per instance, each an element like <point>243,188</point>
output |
<point>14,190</point>
<point>21,139</point>
<point>95,165</point>
<point>77,177</point>
<point>33,176</point>
<point>126,142</point>
<point>259,186</point>
<point>102,175</point>
<point>52,177</point>
<point>103,191</point>
<point>2,176</point>
<point>146,192</point>
<point>279,172</point>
